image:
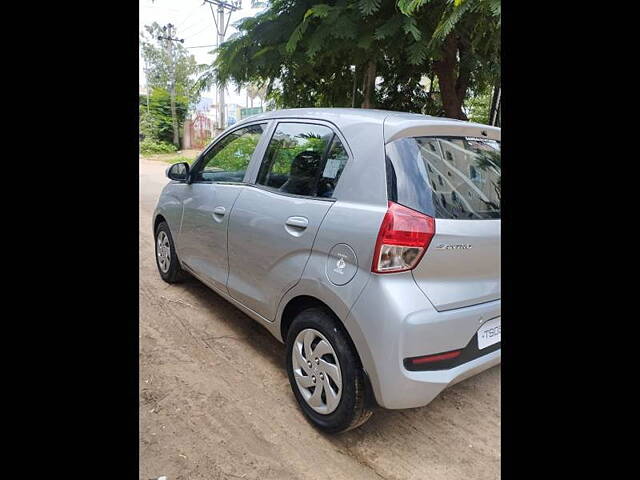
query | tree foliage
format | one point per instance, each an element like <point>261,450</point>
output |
<point>479,106</point>
<point>156,122</point>
<point>303,50</point>
<point>235,156</point>
<point>170,70</point>
<point>160,64</point>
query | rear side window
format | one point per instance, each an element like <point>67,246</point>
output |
<point>303,159</point>
<point>445,177</point>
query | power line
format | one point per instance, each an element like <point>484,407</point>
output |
<point>225,8</point>
<point>197,23</point>
<point>187,16</point>
<point>198,33</point>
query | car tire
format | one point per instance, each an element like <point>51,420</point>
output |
<point>166,257</point>
<point>352,408</point>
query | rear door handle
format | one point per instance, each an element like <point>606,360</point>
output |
<point>298,222</point>
<point>218,214</point>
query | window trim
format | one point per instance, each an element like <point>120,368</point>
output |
<point>213,145</point>
<point>285,194</point>
<point>252,182</point>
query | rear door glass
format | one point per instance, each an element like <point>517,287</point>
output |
<point>446,177</point>
<point>303,159</point>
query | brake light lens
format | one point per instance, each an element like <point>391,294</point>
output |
<point>404,236</point>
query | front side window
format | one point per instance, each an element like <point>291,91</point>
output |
<point>470,189</point>
<point>303,159</point>
<point>228,160</point>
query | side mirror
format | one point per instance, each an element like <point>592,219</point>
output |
<point>178,171</point>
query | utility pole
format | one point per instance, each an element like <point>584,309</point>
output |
<point>168,45</point>
<point>224,8</point>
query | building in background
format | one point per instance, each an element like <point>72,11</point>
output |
<point>202,124</point>
<point>247,112</point>
<point>233,113</point>
<point>204,104</point>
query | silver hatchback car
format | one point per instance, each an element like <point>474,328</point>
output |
<point>367,241</point>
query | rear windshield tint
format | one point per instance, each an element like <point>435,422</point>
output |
<point>445,177</point>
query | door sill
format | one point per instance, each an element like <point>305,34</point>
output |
<point>225,294</point>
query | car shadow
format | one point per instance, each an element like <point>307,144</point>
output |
<point>252,333</point>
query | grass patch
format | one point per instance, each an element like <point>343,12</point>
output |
<point>181,156</point>
<point>173,160</point>
<point>150,146</point>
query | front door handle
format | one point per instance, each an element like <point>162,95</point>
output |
<point>218,214</point>
<point>297,222</point>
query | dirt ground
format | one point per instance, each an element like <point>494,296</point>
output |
<point>215,402</point>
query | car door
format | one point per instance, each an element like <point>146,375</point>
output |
<point>215,182</point>
<point>274,222</point>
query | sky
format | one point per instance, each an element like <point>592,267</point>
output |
<point>194,23</point>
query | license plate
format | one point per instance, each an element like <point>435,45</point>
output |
<point>489,333</point>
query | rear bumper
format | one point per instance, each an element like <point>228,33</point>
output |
<point>392,320</point>
<point>420,388</point>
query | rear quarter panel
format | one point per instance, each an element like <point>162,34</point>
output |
<point>354,220</point>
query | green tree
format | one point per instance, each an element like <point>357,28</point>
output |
<point>157,122</point>
<point>233,157</point>
<point>169,67</point>
<point>464,46</point>
<point>303,52</point>
<point>479,106</point>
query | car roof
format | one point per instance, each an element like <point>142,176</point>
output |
<point>394,122</point>
<point>340,115</point>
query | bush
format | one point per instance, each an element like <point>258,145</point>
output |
<point>479,106</point>
<point>149,145</point>
<point>147,128</point>
<point>156,120</point>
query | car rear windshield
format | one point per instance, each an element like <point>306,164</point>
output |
<point>445,177</point>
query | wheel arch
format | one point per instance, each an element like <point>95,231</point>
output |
<point>301,302</point>
<point>159,218</point>
<point>297,304</point>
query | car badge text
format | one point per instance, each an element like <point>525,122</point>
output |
<point>459,246</point>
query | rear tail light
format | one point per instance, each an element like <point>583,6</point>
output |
<point>403,238</point>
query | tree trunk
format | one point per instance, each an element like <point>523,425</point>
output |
<point>497,121</point>
<point>353,91</point>
<point>174,118</point>
<point>369,84</point>
<point>453,87</point>
<point>494,105</point>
